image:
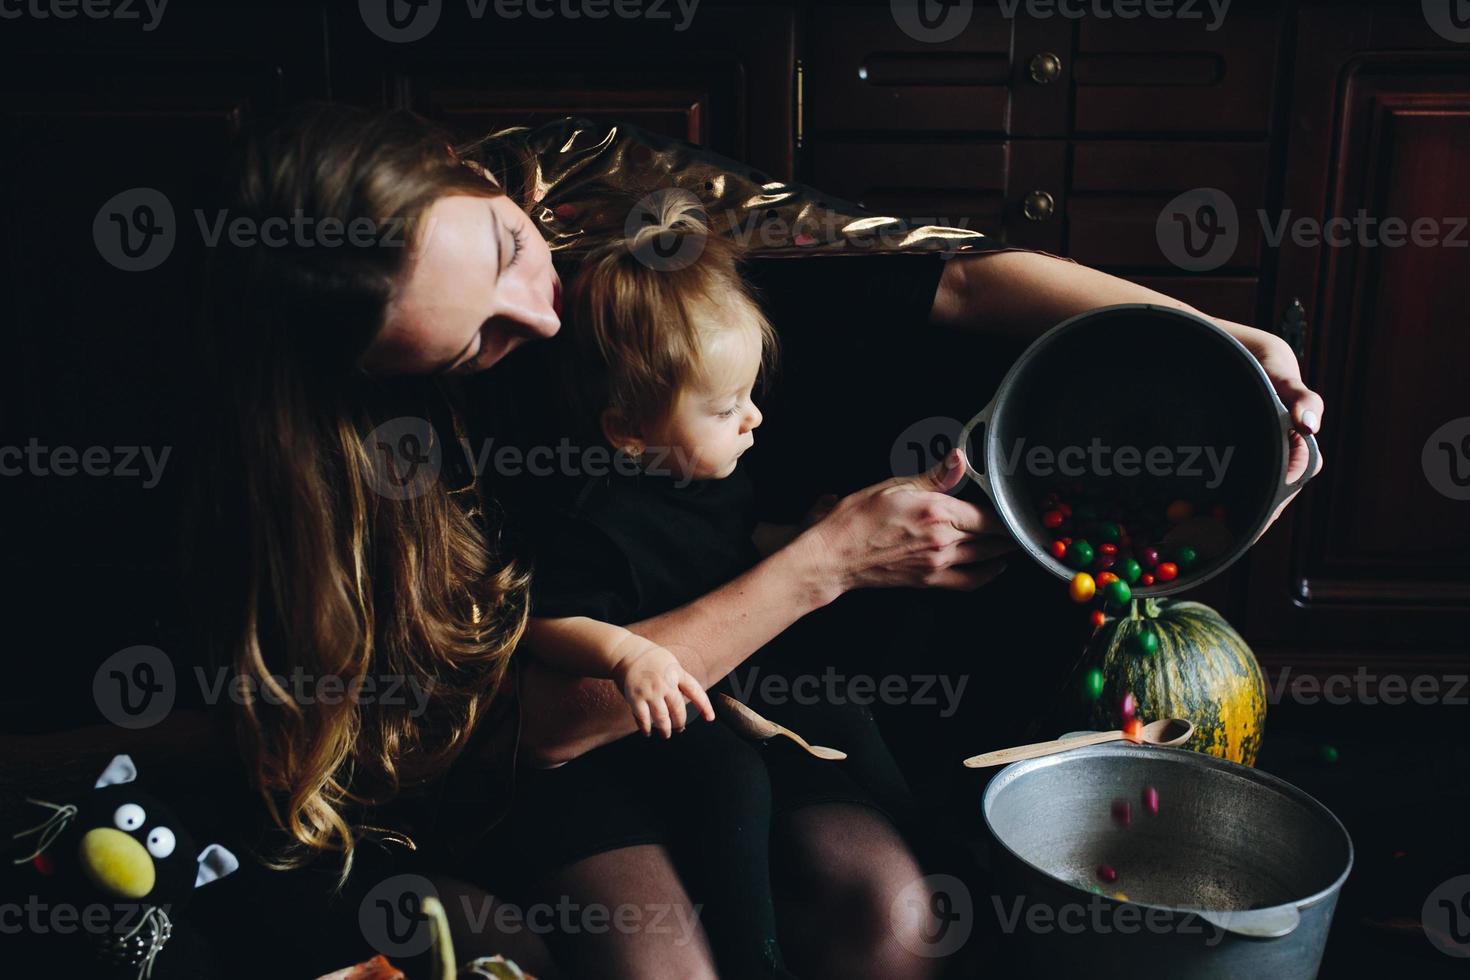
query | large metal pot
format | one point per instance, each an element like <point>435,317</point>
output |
<point>1236,876</point>
<point>1144,377</point>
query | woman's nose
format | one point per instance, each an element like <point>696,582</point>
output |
<point>530,303</point>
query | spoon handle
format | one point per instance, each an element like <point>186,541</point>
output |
<point>1001,757</point>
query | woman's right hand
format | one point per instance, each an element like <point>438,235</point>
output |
<point>908,532</point>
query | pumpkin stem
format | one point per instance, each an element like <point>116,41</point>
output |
<point>1133,611</point>
<point>1151,608</point>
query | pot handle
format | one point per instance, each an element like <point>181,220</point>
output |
<point>1272,923</point>
<point>1314,455</point>
<point>981,420</point>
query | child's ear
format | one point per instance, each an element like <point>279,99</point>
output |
<point>619,434</point>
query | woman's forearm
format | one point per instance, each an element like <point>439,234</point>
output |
<point>564,715</point>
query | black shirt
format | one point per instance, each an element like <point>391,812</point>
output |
<point>634,545</point>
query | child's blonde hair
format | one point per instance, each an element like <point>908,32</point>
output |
<point>642,311</point>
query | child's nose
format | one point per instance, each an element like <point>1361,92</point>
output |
<point>753,418</point>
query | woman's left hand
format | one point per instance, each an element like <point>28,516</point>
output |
<point>1304,404</point>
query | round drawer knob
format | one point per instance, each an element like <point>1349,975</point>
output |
<point>1038,206</point>
<point>1045,68</point>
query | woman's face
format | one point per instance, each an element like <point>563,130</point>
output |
<point>479,282</point>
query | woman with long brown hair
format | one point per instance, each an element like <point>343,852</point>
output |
<point>323,553</point>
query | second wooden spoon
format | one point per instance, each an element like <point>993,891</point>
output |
<point>1166,731</point>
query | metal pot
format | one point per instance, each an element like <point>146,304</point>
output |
<point>1145,377</point>
<point>1237,875</point>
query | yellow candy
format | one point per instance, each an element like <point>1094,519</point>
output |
<point>1083,587</point>
<point>1121,896</point>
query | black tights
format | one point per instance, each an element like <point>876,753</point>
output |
<point>843,878</point>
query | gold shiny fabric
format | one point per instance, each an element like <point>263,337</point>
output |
<point>588,182</point>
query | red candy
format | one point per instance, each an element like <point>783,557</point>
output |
<point>1148,557</point>
<point>1145,579</point>
<point>1106,873</point>
<point>1052,518</point>
<point>1133,729</point>
<point>1122,814</point>
<point>1167,571</point>
<point>1058,549</point>
<point>1151,800</point>
<point>1107,548</point>
<point>1128,707</point>
<point>1065,508</point>
<point>1106,577</point>
<point>1098,618</point>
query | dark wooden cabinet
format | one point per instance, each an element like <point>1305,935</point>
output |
<point>1052,133</point>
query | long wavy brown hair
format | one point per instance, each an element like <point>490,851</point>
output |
<point>300,565</point>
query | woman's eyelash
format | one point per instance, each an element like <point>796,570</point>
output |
<point>515,253</point>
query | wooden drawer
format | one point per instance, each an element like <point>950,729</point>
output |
<point>865,73</point>
<point>1175,75</point>
<point>1119,189</point>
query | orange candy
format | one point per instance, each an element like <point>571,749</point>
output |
<point>1103,578</point>
<point>1133,729</point>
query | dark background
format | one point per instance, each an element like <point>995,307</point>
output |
<point>1320,109</point>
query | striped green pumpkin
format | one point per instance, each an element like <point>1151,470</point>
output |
<point>1202,671</point>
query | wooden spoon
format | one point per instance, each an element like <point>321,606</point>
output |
<point>752,725</point>
<point>1166,731</point>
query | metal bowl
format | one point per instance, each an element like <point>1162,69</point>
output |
<point>1237,875</point>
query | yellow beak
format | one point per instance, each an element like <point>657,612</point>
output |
<point>116,863</point>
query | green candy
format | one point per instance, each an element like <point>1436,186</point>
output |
<point>1327,754</point>
<point>1080,553</point>
<point>1128,570</point>
<point>1184,556</point>
<point>1146,641</point>
<point>1108,531</point>
<point>1119,592</point>
<point>1093,684</point>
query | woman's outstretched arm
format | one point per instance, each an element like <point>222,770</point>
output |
<point>902,532</point>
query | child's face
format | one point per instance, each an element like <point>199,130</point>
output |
<point>712,421</point>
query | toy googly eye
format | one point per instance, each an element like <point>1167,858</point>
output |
<point>160,842</point>
<point>129,816</point>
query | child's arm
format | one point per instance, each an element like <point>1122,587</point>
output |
<point>651,678</point>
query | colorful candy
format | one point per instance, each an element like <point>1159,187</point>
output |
<point>1128,706</point>
<point>1093,683</point>
<point>1083,587</point>
<point>1167,571</point>
<point>1146,641</point>
<point>1103,578</point>
<point>1326,754</point>
<point>1151,800</point>
<point>1184,556</point>
<point>1058,549</point>
<point>1118,591</point>
<point>1145,579</point>
<point>1106,873</point>
<point>1108,531</point>
<point>1080,553</point>
<point>1122,813</point>
<point>1148,558</point>
<point>1133,729</point>
<point>1098,618</point>
<point>1129,570</point>
<point>1052,519</point>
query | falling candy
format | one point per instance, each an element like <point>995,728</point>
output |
<point>1121,896</point>
<point>1326,754</point>
<point>1098,618</point>
<point>1128,706</point>
<point>1146,641</point>
<point>1122,812</point>
<point>1083,587</point>
<point>1093,683</point>
<point>1106,873</point>
<point>1133,729</point>
<point>1151,800</point>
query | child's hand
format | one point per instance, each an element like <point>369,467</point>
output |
<point>655,685</point>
